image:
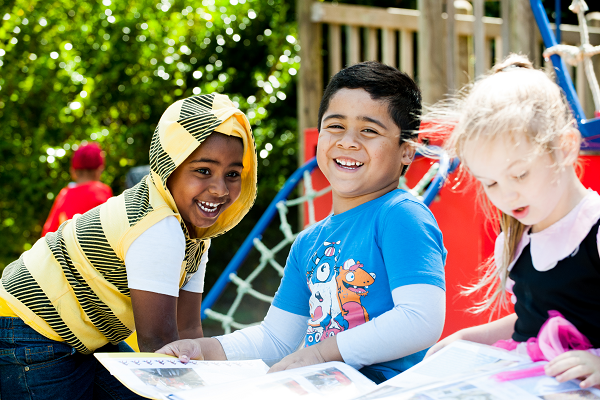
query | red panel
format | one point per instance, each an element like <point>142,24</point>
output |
<point>591,171</point>
<point>469,241</point>
<point>323,205</point>
<point>467,237</point>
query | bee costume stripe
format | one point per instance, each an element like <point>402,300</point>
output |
<point>72,286</point>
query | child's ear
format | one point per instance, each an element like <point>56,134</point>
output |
<point>407,153</point>
<point>569,147</point>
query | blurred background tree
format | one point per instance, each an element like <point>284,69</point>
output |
<point>105,70</point>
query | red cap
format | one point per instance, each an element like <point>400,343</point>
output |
<point>87,157</point>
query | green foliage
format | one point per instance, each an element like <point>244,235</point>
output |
<point>104,71</point>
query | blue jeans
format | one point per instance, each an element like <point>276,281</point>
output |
<point>35,367</point>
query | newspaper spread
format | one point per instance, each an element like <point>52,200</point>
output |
<point>465,371</point>
<point>155,375</point>
<point>332,380</point>
<point>460,371</point>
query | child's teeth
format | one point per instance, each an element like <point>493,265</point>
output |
<point>349,163</point>
<point>207,206</point>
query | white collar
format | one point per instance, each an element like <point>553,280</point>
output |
<point>560,239</point>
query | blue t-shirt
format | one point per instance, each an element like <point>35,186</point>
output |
<point>341,271</point>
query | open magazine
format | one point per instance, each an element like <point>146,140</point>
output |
<point>460,371</point>
<point>158,376</point>
<point>468,371</point>
<point>154,375</point>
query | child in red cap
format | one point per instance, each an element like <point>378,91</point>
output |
<point>85,193</point>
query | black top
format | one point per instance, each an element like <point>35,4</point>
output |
<point>572,287</point>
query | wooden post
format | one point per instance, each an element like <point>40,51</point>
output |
<point>371,44</point>
<point>522,38</point>
<point>498,49</point>
<point>581,86</point>
<point>479,38</point>
<point>487,60</point>
<point>352,45</point>
<point>432,55</point>
<point>388,45</point>
<point>464,50</point>
<point>505,15</point>
<point>451,46</point>
<point>407,52</point>
<point>335,49</point>
<point>310,76</point>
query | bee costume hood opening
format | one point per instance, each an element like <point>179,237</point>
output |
<point>181,129</point>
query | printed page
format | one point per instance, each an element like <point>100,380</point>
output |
<point>329,380</point>
<point>544,387</point>
<point>462,390</point>
<point>155,375</point>
<point>459,360</point>
<point>487,388</point>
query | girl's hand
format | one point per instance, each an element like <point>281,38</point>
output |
<point>576,364</point>
<point>489,333</point>
<point>185,350</point>
<point>445,342</point>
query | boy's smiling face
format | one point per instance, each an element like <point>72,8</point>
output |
<point>208,181</point>
<point>358,149</point>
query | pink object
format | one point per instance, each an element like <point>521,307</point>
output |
<point>521,374</point>
<point>557,336</point>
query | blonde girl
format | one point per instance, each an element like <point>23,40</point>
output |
<point>515,135</point>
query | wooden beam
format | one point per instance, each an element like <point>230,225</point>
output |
<point>479,38</point>
<point>370,17</point>
<point>399,18</point>
<point>451,46</point>
<point>310,76</point>
<point>432,55</point>
<point>523,29</point>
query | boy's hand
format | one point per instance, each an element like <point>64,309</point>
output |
<point>576,364</point>
<point>194,349</point>
<point>324,351</point>
<point>186,350</point>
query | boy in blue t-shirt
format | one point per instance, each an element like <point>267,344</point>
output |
<point>366,284</point>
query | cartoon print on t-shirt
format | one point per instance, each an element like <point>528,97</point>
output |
<point>353,283</point>
<point>335,300</point>
<point>322,284</point>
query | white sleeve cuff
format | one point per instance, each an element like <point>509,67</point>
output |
<point>278,335</point>
<point>414,324</point>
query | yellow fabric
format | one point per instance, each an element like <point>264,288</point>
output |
<point>72,285</point>
<point>5,310</point>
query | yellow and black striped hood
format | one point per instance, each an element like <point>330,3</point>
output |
<point>72,284</point>
<point>182,128</point>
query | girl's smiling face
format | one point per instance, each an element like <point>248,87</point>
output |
<point>520,182</point>
<point>208,181</point>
